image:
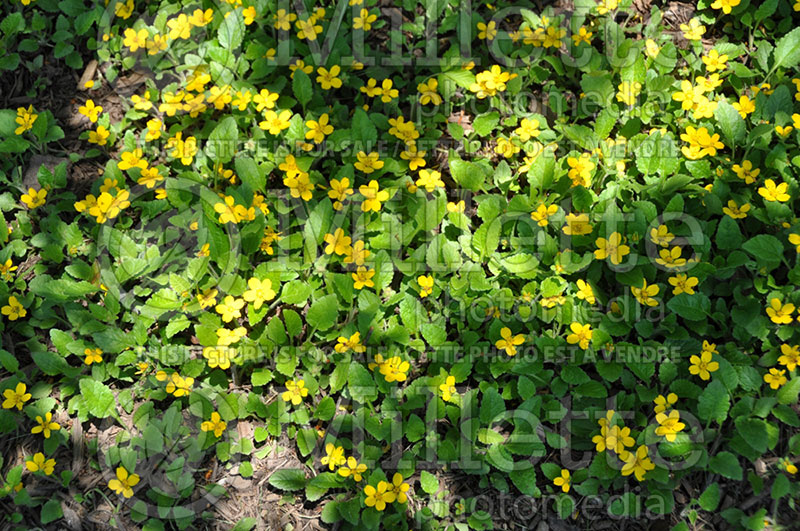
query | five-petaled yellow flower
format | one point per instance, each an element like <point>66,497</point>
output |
<point>703,365</point>
<point>581,334</point>
<point>611,248</point>
<point>38,463</point>
<point>295,392</point>
<point>16,398</point>
<point>46,425</point>
<point>509,341</point>
<point>780,313</point>
<point>215,424</point>
<point>124,482</point>
<point>563,480</point>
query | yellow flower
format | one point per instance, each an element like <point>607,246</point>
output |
<point>425,284</point>
<point>317,130</point>
<point>645,294</point>
<point>13,309</point>
<point>783,131</point>
<point>577,225</point>
<point>669,425</point>
<point>542,213</point>
<point>427,92</point>
<point>399,488</point>
<point>363,278</point>
<point>528,128</point>
<point>772,192</point>
<point>509,341</point>
<point>6,269</point>
<point>637,463</point>
<point>563,480</point>
<point>415,158</point>
<point>651,48</point>
<point>506,148</point>
<point>790,356</point>
<point>123,10</point>
<point>714,61</point>
<point>180,27</point>
<point>780,313</point>
<point>38,463</point>
<point>157,44</point>
<point>46,425</point>
<point>334,456</point>
<point>581,334</point>
<point>487,31</point>
<point>662,403</point>
<point>299,64</point>
<point>92,356</point>
<point>259,292</point>
<point>329,79</point>
<point>581,170</point>
<point>746,172</point>
<point>373,196</point>
<point>17,397</point>
<point>185,150</point>
<point>179,386</point>
<point>108,206</point>
<point>34,198</point>
<point>219,356</point>
<point>100,136</point>
<point>25,119</point>
<point>456,207</point>
<point>135,39</point>
<point>131,159</point>
<point>337,242</point>
<point>611,248</point>
<point>150,177</point>
<point>735,211</point>
<point>628,92</point>
<point>585,292</point>
<point>582,36</point>
<point>683,284</point>
<point>661,236</point>
<point>725,5</point>
<point>308,29</point>
<point>274,123</point>
<point>124,482</point>
<point>283,20</point>
<point>352,469</point>
<point>670,258</point>
<point>340,190</point>
<point>364,20</point>
<point>249,15</point>
<point>794,239</point>
<point>448,388</point>
<point>430,180</point>
<point>745,106</point>
<point>702,365</point>
<point>215,424</point>
<point>776,378</point>
<point>693,31</point>
<point>378,497</point>
<point>295,392</point>
<point>606,5</point>
<point>265,100</point>
<point>352,343</point>
<point>90,110</point>
<point>230,308</point>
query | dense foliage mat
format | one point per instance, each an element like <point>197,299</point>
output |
<point>435,265</point>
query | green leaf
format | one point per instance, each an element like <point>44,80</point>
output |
<point>485,123</point>
<point>727,465</point>
<point>766,249</point>
<point>325,409</point>
<point>360,384</point>
<point>691,307</point>
<point>98,397</point>
<point>428,482</point>
<point>288,479</point>
<point>787,51</point>
<point>60,290</point>
<point>491,406</point>
<point>730,122</point>
<point>714,402</point>
<point>222,141</point>
<point>525,480</point>
<point>301,86</point>
<point>323,312</point>
<point>729,236</point>
<point>467,174</point>
<point>231,31</point>
<point>787,394</point>
<point>249,172</point>
<point>363,130</point>
<point>709,500</point>
<point>296,292</point>
<point>51,511</point>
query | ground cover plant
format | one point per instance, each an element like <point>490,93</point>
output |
<point>397,264</point>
